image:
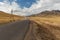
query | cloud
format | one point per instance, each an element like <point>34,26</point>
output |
<point>46,5</point>
<point>25,3</point>
<point>35,8</point>
<point>6,7</point>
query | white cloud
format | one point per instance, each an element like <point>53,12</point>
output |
<point>6,7</point>
<point>41,5</point>
<point>47,5</point>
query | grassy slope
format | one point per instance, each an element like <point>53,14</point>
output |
<point>51,23</point>
<point>48,20</point>
<point>6,18</point>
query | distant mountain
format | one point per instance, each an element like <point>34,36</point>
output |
<point>48,13</point>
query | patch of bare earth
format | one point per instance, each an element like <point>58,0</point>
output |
<point>42,32</point>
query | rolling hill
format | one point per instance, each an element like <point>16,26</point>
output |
<point>47,21</point>
<point>48,13</point>
<point>6,18</point>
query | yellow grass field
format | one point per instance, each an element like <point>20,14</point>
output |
<point>7,18</point>
<point>50,23</point>
<point>55,20</point>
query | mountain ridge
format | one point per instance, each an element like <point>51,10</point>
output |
<point>48,13</point>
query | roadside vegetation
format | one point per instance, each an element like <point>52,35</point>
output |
<point>8,18</point>
<point>48,28</point>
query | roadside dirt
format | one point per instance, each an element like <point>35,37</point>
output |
<point>42,32</point>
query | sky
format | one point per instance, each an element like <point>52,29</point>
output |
<point>28,7</point>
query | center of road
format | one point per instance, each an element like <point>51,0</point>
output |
<point>14,31</point>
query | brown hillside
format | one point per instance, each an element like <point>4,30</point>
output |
<point>48,13</point>
<point>5,17</point>
<point>3,14</point>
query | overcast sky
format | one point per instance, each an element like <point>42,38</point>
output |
<point>28,7</point>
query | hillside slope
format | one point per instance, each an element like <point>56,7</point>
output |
<point>5,17</point>
<point>48,13</point>
<point>47,25</point>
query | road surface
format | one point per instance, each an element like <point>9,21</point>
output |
<point>14,31</point>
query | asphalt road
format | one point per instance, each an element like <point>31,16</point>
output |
<point>14,31</point>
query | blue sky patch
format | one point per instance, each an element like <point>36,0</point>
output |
<point>22,3</point>
<point>25,3</point>
<point>1,0</point>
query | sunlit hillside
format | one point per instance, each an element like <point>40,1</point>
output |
<point>6,18</point>
<point>48,17</point>
<point>47,20</point>
<point>47,23</point>
<point>52,23</point>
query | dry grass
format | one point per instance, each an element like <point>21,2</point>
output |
<point>47,20</point>
<point>8,19</point>
<point>47,25</point>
